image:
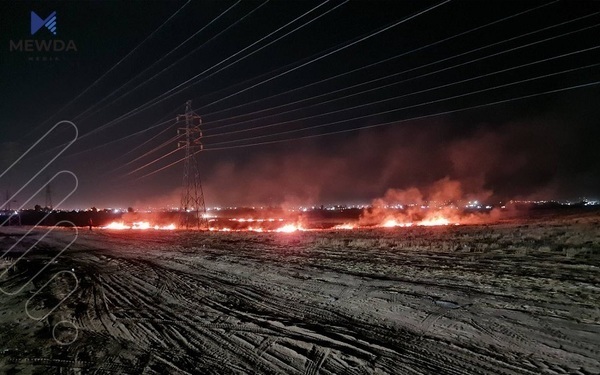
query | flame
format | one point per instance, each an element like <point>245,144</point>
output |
<point>345,226</point>
<point>391,223</point>
<point>427,222</point>
<point>262,225</point>
<point>251,220</point>
<point>138,225</point>
<point>167,227</point>
<point>116,225</point>
<point>289,228</point>
<point>434,221</point>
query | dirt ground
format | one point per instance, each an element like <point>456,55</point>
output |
<point>519,297</point>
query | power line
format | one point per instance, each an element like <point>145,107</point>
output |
<point>162,96</point>
<point>410,70</point>
<point>402,108</point>
<point>405,71</point>
<point>145,142</point>
<point>418,92</point>
<point>156,101</point>
<point>164,144</point>
<point>529,10</point>
<point>282,27</point>
<point>111,69</point>
<point>155,160</point>
<point>387,99</point>
<point>383,61</point>
<point>429,74</point>
<point>382,124</point>
<point>362,39</point>
<point>113,141</point>
<point>375,114</point>
<point>420,48</point>
<point>161,59</point>
<point>404,120</point>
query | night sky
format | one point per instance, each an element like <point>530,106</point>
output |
<point>305,102</point>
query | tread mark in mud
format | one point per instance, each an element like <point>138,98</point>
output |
<point>315,360</point>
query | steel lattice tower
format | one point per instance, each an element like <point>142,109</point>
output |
<point>7,204</point>
<point>48,195</point>
<point>192,208</point>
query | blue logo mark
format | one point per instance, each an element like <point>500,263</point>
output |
<point>37,23</point>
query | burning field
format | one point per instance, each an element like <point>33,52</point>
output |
<point>442,203</point>
<point>300,187</point>
<point>517,296</point>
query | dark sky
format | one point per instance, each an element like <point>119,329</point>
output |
<point>501,96</point>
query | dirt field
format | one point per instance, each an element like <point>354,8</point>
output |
<point>509,298</point>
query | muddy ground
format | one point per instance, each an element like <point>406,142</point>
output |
<point>519,297</point>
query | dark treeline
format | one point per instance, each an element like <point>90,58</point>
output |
<point>61,218</point>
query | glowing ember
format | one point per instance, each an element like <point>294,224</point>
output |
<point>168,227</point>
<point>346,226</point>
<point>434,222</point>
<point>115,225</point>
<point>263,225</point>
<point>141,225</point>
<point>288,228</point>
<point>251,220</point>
<point>431,222</point>
<point>394,223</point>
<point>390,224</point>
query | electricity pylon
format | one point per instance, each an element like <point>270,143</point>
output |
<point>7,203</point>
<point>48,195</point>
<point>11,214</point>
<point>192,208</point>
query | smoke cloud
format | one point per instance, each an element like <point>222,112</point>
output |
<point>422,161</point>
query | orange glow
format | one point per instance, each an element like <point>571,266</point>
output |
<point>346,226</point>
<point>427,222</point>
<point>265,226</point>
<point>138,225</point>
<point>434,221</point>
<point>251,220</point>
<point>289,228</point>
<point>167,227</point>
<point>116,225</point>
<point>391,223</point>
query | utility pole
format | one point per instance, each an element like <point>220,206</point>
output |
<point>48,195</point>
<point>7,202</point>
<point>10,212</point>
<point>192,196</point>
